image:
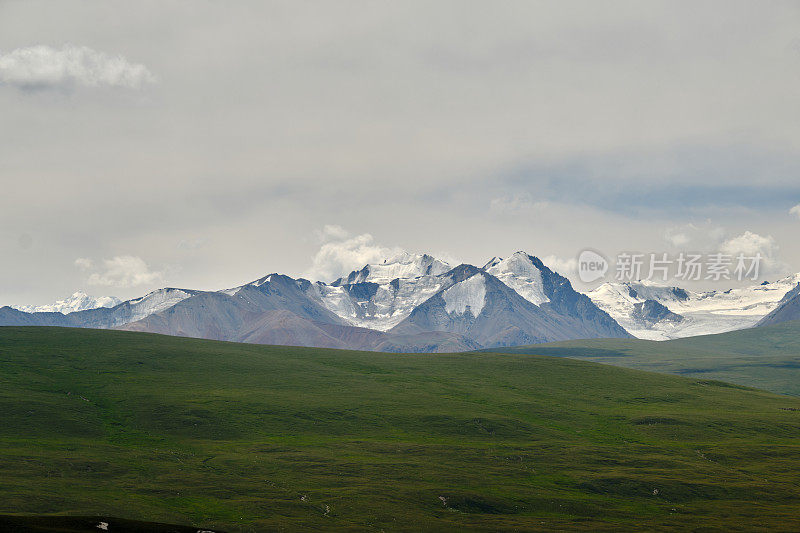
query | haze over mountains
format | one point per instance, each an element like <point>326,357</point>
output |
<point>417,303</point>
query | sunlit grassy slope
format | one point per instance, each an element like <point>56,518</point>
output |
<point>765,357</point>
<point>259,438</point>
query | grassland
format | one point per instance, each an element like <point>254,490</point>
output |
<point>260,438</point>
<point>767,357</point>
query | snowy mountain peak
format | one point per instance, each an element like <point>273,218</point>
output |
<point>261,281</point>
<point>78,301</point>
<point>402,266</point>
<point>265,280</point>
<point>518,263</point>
<point>381,295</point>
<point>520,273</point>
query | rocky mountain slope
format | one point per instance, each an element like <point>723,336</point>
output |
<point>787,309</point>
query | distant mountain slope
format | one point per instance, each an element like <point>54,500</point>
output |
<point>13,317</point>
<point>633,305</point>
<point>765,357</point>
<point>131,310</point>
<point>240,437</point>
<point>788,309</point>
<point>100,317</point>
<point>231,315</point>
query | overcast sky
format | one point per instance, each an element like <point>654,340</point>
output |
<point>205,144</point>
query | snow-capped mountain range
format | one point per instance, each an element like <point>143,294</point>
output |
<point>412,302</point>
<point>79,301</point>
<point>415,302</point>
<point>658,312</point>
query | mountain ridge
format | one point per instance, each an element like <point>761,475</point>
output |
<point>367,309</point>
<point>416,302</point>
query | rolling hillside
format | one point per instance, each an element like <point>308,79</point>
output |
<point>257,438</point>
<point>765,357</point>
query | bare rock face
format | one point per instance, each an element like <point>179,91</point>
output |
<point>650,312</point>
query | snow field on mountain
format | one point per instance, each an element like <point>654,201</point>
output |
<point>469,294</point>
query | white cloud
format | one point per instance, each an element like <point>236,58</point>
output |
<point>332,232</point>
<point>120,271</point>
<point>703,236</point>
<point>84,263</point>
<point>795,211</point>
<point>678,240</point>
<point>44,67</point>
<point>565,267</point>
<point>342,252</point>
<point>749,244</point>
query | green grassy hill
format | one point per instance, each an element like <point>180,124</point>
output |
<point>765,357</point>
<point>260,438</point>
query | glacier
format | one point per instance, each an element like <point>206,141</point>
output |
<point>703,313</point>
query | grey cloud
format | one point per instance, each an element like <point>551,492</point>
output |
<point>402,120</point>
<point>671,181</point>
